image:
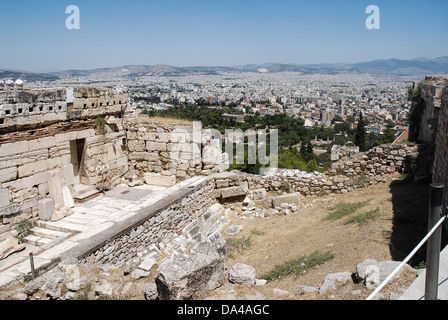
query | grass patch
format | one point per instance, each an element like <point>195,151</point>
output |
<point>363,218</point>
<point>344,209</point>
<point>298,266</point>
<point>23,228</point>
<point>257,232</point>
<point>83,294</point>
<point>239,244</point>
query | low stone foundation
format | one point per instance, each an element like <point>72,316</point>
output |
<point>154,225</point>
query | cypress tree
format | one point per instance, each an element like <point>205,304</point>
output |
<point>360,137</point>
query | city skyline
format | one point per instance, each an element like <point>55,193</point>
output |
<point>202,33</point>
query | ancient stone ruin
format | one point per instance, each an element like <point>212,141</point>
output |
<point>62,147</point>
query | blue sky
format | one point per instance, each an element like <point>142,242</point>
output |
<point>196,32</point>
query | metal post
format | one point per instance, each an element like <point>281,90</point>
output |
<point>434,243</point>
<point>33,274</point>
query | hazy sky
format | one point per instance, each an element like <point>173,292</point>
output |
<point>33,34</point>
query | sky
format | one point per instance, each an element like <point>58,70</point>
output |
<point>34,37</point>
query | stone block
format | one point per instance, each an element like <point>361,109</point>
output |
<point>4,198</point>
<point>42,143</point>
<point>69,174</point>
<point>146,156</point>
<point>136,145</point>
<point>55,187</point>
<point>7,149</point>
<point>159,180</point>
<point>45,209</point>
<point>190,276</point>
<point>32,168</point>
<point>156,146</point>
<point>20,184</point>
<point>8,174</point>
<point>237,191</point>
<point>10,210</point>
<point>222,183</point>
<point>257,194</point>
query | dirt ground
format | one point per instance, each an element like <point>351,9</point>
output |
<point>402,223</point>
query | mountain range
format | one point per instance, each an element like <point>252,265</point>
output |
<point>414,67</point>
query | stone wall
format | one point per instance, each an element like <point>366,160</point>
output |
<point>434,124</point>
<point>441,152</point>
<point>157,227</point>
<point>163,152</point>
<point>40,129</point>
<point>351,169</point>
<point>24,108</point>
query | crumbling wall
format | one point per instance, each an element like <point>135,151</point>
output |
<point>163,152</point>
<point>351,169</point>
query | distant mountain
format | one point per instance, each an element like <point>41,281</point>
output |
<point>145,70</point>
<point>418,66</point>
<point>26,75</point>
<point>414,67</point>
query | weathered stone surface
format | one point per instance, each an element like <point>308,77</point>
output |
<point>237,191</point>
<point>10,245</point>
<point>50,283</point>
<point>373,273</point>
<point>4,198</point>
<point>150,291</point>
<point>45,209</point>
<point>159,179</point>
<point>300,290</point>
<point>185,277</point>
<point>335,281</point>
<point>242,274</point>
<point>361,269</point>
<point>257,194</point>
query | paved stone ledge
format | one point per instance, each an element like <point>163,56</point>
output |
<point>185,202</point>
<point>134,226</point>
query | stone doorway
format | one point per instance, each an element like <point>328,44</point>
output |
<point>76,153</point>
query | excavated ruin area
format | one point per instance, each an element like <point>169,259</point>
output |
<point>392,235</point>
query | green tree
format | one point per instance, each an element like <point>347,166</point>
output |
<point>360,136</point>
<point>306,150</point>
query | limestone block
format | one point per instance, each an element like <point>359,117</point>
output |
<point>45,209</point>
<point>136,145</point>
<point>190,276</point>
<point>222,183</point>
<point>257,194</point>
<point>159,180</point>
<point>20,184</point>
<point>155,146</point>
<point>210,154</point>
<point>42,143</point>
<point>4,198</point>
<point>32,168</point>
<point>7,149</point>
<point>68,174</point>
<point>146,156</point>
<point>242,274</point>
<point>67,196</point>
<point>181,173</point>
<point>9,210</point>
<point>234,191</point>
<point>8,174</point>
<point>55,187</point>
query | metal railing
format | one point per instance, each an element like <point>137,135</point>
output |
<point>434,238</point>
